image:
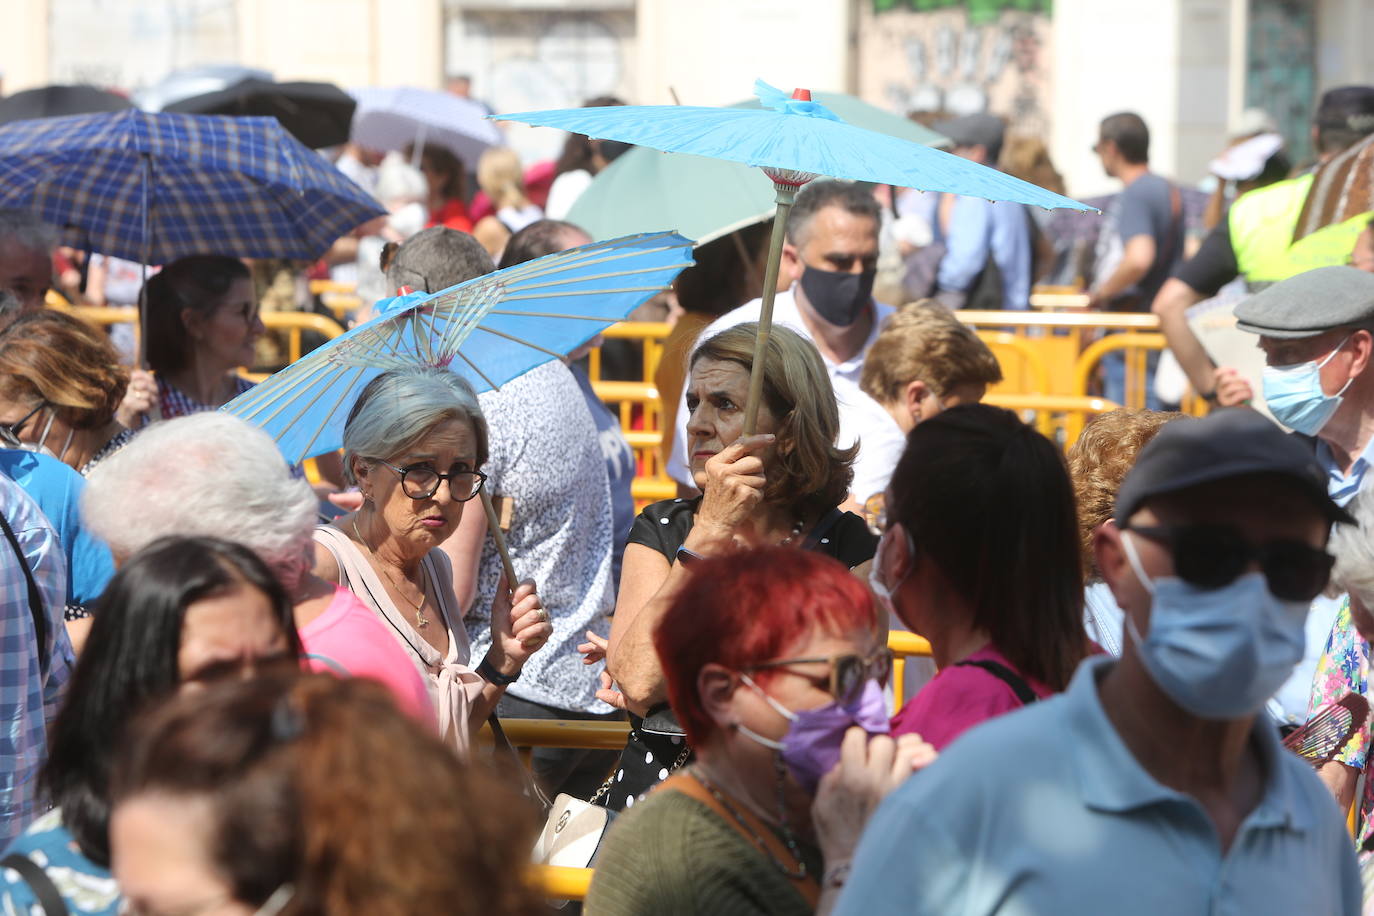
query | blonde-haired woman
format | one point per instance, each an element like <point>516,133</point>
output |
<point>780,486</point>
<point>500,177</point>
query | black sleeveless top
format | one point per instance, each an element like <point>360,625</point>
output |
<point>651,754</point>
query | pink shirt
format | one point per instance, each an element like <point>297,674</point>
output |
<point>958,698</point>
<point>349,636</point>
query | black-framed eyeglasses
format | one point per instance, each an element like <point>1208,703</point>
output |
<point>848,672</point>
<point>1211,556</point>
<point>421,481</point>
<point>9,434</point>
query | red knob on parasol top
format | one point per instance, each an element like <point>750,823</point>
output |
<point>801,95</point>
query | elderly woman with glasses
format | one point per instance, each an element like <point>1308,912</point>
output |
<point>413,445</point>
<point>774,661</point>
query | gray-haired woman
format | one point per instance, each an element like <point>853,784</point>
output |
<point>414,444</point>
<point>212,474</point>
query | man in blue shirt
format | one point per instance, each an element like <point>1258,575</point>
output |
<point>56,489</point>
<point>1155,784</point>
<point>978,235</point>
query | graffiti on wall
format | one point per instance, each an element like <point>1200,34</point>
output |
<point>1280,67</point>
<point>959,57</point>
<point>980,12</point>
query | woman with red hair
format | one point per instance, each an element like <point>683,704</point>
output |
<point>774,661</point>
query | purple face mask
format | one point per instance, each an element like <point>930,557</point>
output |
<point>811,747</point>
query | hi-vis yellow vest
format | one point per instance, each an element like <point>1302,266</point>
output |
<point>1262,224</point>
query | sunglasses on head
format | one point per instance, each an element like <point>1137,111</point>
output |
<point>848,672</point>
<point>1211,556</point>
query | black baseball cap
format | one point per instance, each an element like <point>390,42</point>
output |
<point>1347,107</point>
<point>1226,443</point>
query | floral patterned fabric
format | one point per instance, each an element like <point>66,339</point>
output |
<point>87,889</point>
<point>1344,668</point>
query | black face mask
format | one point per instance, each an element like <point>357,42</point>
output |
<point>837,296</point>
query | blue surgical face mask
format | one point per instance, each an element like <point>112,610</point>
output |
<point>1294,394</point>
<point>1218,653</point>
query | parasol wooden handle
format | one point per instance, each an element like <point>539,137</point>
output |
<point>785,197</point>
<point>494,526</point>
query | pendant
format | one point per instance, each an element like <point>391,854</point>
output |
<point>421,621</point>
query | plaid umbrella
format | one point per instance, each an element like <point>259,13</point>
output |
<point>154,187</point>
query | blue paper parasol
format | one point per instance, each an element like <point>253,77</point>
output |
<point>793,141</point>
<point>489,330</point>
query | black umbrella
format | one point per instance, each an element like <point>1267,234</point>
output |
<point>58,101</point>
<point>317,114</point>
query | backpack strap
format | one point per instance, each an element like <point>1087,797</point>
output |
<point>49,898</point>
<point>1007,676</point>
<point>40,615</point>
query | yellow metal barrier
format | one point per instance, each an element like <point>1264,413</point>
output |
<point>593,735</point>
<point>600,735</point>
<point>339,298</point>
<point>1135,346</point>
<point>292,322</point>
<point>558,883</point>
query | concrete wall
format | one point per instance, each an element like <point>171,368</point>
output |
<point>710,51</point>
<point>131,43</point>
<point>1113,56</point>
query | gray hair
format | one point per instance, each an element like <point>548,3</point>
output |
<point>9,303</point>
<point>849,196</point>
<point>23,229</point>
<point>1353,547</point>
<point>437,258</point>
<point>399,408</point>
<point>205,474</point>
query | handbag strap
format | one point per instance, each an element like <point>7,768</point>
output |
<point>40,617</point>
<point>532,790</point>
<point>686,783</point>
<point>49,898</point>
<point>1007,676</point>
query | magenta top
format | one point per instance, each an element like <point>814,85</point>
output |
<point>958,698</point>
<point>349,639</point>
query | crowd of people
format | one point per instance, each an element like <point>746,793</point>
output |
<point>225,689</point>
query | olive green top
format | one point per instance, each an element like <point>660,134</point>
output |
<point>670,855</point>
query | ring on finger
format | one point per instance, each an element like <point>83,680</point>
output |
<point>543,615</point>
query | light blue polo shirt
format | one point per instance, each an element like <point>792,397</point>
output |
<point>1044,812</point>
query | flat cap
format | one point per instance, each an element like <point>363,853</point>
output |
<point>1226,443</point>
<point>1310,303</point>
<point>974,130</point>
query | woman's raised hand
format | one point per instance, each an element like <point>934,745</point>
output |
<point>734,485</point>
<point>870,767</point>
<point>519,626</point>
<point>139,398</point>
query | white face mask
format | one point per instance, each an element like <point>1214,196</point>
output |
<point>876,575</point>
<point>40,447</point>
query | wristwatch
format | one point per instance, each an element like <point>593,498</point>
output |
<point>487,671</point>
<point>686,557</point>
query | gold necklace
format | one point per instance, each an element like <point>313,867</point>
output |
<point>421,621</point>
